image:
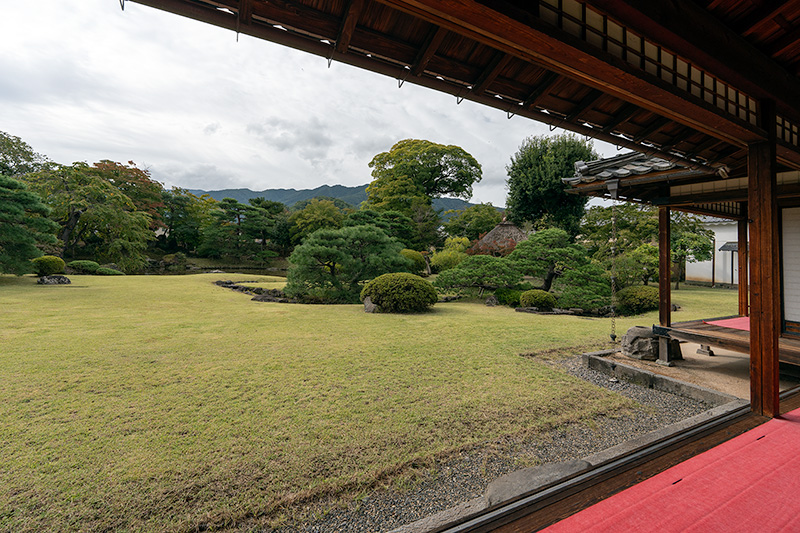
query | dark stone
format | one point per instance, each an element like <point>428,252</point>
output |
<point>55,279</point>
<point>640,343</point>
<point>492,301</point>
<point>369,307</point>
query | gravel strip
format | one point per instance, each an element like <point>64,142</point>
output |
<point>465,476</point>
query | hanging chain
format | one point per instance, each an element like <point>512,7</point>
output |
<point>613,270</point>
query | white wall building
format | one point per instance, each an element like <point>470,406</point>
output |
<point>724,267</point>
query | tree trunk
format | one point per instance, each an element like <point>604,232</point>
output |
<point>548,279</point>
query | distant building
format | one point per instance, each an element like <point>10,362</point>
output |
<point>724,266</point>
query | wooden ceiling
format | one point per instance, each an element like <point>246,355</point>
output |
<point>683,80</point>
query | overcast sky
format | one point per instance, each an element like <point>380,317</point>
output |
<point>82,80</point>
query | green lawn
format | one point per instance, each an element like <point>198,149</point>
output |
<point>144,403</point>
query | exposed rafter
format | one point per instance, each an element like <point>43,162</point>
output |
<point>348,25</point>
<point>426,53</point>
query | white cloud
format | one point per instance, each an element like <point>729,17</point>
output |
<point>84,81</point>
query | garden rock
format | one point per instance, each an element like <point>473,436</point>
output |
<point>640,343</point>
<point>492,301</point>
<point>369,307</point>
<point>55,279</point>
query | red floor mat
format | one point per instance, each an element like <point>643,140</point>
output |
<point>740,322</point>
<point>750,483</point>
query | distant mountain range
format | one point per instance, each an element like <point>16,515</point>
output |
<point>352,195</point>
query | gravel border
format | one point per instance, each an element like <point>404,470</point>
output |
<point>466,475</point>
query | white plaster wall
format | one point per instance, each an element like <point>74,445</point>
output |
<point>725,231</point>
<point>791,263</point>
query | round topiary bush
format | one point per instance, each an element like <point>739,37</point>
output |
<point>47,265</point>
<point>543,300</point>
<point>637,299</point>
<point>103,271</point>
<point>400,292</point>
<point>415,257</point>
<point>82,266</point>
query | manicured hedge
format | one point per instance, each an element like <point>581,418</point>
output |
<point>400,292</point>
<point>637,300</point>
<point>537,298</point>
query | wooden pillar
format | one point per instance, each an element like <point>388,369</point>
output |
<point>664,268</point>
<point>744,309</point>
<point>764,270</point>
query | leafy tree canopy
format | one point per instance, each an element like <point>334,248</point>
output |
<point>393,223</point>
<point>435,169</point>
<point>546,254</point>
<point>480,271</point>
<point>535,190</point>
<point>318,214</point>
<point>339,203</point>
<point>636,224</point>
<point>23,226</point>
<point>331,265</point>
<point>473,221</point>
<point>96,218</point>
<point>17,157</point>
<point>185,216</point>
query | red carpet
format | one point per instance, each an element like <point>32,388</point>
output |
<point>740,322</point>
<point>750,483</point>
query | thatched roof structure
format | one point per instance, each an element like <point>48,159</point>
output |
<point>504,231</point>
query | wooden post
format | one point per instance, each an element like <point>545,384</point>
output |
<point>714,263</point>
<point>764,270</point>
<point>742,253</point>
<point>664,278</point>
<point>664,268</point>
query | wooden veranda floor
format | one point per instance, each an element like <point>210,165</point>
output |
<point>736,340</point>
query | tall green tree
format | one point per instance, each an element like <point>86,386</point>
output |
<point>185,216</point>
<point>435,169</point>
<point>473,221</point>
<point>23,226</point>
<point>689,242</point>
<point>318,214</point>
<point>535,190</point>
<point>331,265</point>
<point>547,254</point>
<point>394,223</point>
<point>137,185</point>
<point>17,157</point>
<point>96,218</point>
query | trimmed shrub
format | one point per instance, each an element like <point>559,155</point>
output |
<point>537,298</point>
<point>446,259</point>
<point>104,271</point>
<point>587,286</point>
<point>82,266</point>
<point>508,297</point>
<point>47,265</point>
<point>400,292</point>
<point>415,257</point>
<point>637,299</point>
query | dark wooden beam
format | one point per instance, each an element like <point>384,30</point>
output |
<point>744,308</point>
<point>762,15</point>
<point>542,88</point>
<point>627,111</point>
<point>492,70</point>
<point>544,45</point>
<point>685,28</point>
<point>428,50</point>
<point>784,43</point>
<point>678,138</point>
<point>586,102</point>
<point>658,124</point>
<point>351,14</point>
<point>245,11</point>
<point>765,287</point>
<point>664,268</point>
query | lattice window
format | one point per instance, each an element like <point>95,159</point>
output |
<point>596,29</point>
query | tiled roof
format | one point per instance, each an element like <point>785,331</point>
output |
<point>621,166</point>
